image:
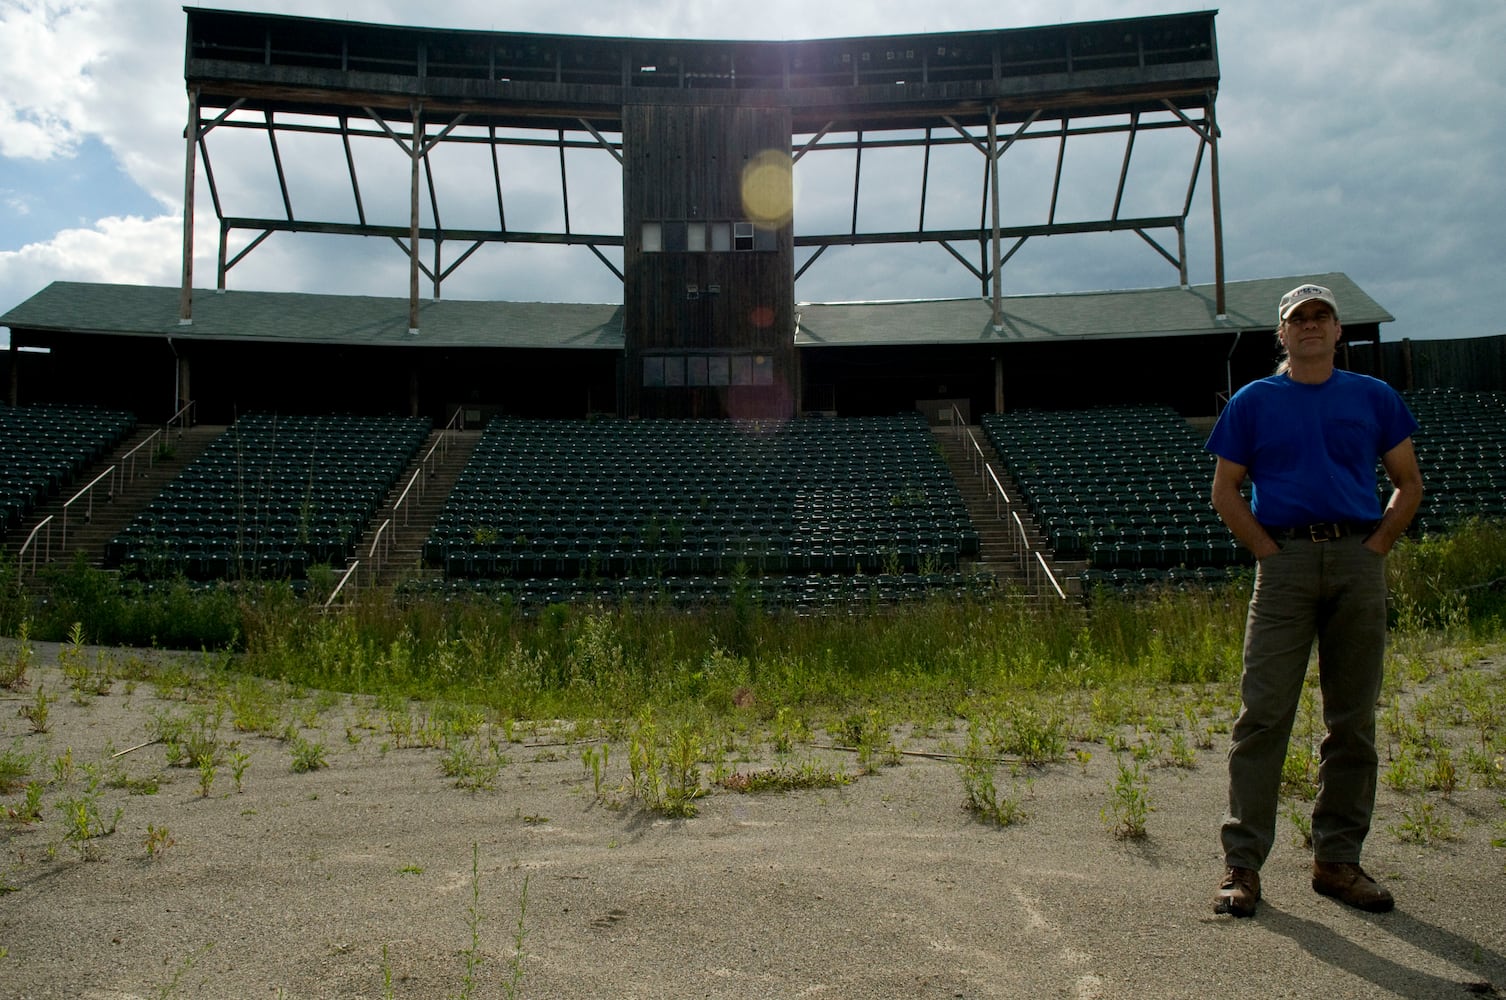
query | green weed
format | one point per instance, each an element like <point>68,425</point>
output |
<point>84,823</point>
<point>595,759</point>
<point>189,738</point>
<point>308,756</point>
<point>38,713</point>
<point>239,762</point>
<point>15,767</point>
<point>1421,823</point>
<point>474,764</point>
<point>978,767</point>
<point>1302,825</point>
<point>157,840</point>
<point>13,670</point>
<point>785,777</point>
<point>665,772</point>
<point>30,809</point>
<point>1129,804</point>
<point>207,769</point>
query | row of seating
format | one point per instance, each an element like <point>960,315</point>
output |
<point>1461,446</point>
<point>584,499</point>
<point>44,449</point>
<point>798,592</point>
<point>1121,487</point>
<point>271,497</point>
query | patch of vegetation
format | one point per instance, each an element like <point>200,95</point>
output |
<point>786,777</point>
<point>1129,805</point>
<point>979,769</point>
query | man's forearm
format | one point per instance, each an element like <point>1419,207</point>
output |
<point>1238,518</point>
<point>1400,509</point>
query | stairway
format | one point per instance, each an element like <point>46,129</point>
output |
<point>95,518</point>
<point>999,543</point>
<point>438,466</point>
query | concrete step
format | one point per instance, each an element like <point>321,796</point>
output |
<point>971,459</point>
<point>415,504</point>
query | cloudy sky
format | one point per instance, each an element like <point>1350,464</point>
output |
<point>1363,137</point>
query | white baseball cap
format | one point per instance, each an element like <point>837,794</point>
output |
<point>1305,293</point>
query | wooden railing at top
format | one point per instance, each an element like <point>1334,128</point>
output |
<point>1032,562</point>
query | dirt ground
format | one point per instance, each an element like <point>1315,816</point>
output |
<point>376,876</point>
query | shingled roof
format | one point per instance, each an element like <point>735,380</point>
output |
<point>1146,312</point>
<point>355,320</point>
<point>369,321</point>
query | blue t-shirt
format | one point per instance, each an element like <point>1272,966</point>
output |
<point>1311,449</point>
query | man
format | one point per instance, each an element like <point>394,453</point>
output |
<point>1308,438</point>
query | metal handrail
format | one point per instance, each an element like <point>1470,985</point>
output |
<point>384,541</point>
<point>45,522</point>
<point>131,457</point>
<point>1050,575</point>
<point>185,416</point>
<point>350,573</point>
<point>399,506</point>
<point>89,514</point>
<point>1000,493</point>
<point>1004,510</point>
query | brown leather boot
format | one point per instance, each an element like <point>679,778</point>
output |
<point>1349,884</point>
<point>1238,893</point>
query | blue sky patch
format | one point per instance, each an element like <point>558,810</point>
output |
<point>39,198</point>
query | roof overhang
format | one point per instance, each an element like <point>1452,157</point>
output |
<point>66,307</point>
<point>303,318</point>
<point>1145,313</point>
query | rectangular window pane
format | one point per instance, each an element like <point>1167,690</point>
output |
<point>695,371</point>
<point>763,369</point>
<point>742,369</point>
<point>742,236</point>
<point>674,237</point>
<point>721,237</point>
<point>717,372</point>
<point>765,239</point>
<point>653,373</point>
<point>695,237</point>
<point>652,240</point>
<point>674,372</point>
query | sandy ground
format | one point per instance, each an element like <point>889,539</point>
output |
<point>357,880</point>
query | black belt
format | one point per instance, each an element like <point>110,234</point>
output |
<point>1324,531</point>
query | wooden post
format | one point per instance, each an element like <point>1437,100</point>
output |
<point>1220,307</point>
<point>993,180</point>
<point>191,160</point>
<point>417,152</point>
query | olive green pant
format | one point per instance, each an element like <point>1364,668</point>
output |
<point>1333,592</point>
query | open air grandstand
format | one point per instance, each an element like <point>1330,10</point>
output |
<point>809,513</point>
<point>708,436</point>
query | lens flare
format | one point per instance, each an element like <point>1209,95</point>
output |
<point>768,189</point>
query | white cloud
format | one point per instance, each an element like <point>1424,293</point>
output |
<point>127,250</point>
<point>45,83</point>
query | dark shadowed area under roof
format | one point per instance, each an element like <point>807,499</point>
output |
<point>1146,312</point>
